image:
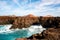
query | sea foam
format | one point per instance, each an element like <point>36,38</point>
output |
<point>5,28</point>
<point>12,34</point>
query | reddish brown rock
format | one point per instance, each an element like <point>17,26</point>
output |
<point>27,21</point>
<point>49,34</point>
<point>21,39</point>
<point>51,23</point>
<point>24,22</point>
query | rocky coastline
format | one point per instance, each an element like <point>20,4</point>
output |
<point>24,21</point>
<point>51,23</point>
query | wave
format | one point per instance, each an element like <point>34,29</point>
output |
<point>33,29</point>
<point>5,28</point>
<point>36,29</point>
<point>19,33</point>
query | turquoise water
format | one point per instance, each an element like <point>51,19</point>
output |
<point>14,35</point>
<point>7,34</point>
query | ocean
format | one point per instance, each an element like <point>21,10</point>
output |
<point>12,34</point>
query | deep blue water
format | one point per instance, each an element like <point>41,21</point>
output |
<point>7,34</point>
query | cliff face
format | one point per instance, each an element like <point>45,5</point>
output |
<point>6,20</point>
<point>46,22</point>
<point>27,21</point>
<point>51,23</point>
<point>24,22</point>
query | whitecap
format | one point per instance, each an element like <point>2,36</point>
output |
<point>5,28</point>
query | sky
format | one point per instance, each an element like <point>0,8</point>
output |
<point>25,7</point>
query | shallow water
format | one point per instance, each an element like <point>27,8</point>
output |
<point>7,34</point>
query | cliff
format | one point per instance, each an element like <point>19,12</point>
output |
<point>51,23</point>
<point>19,22</point>
<point>27,21</point>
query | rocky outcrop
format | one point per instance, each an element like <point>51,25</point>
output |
<point>21,39</point>
<point>27,21</point>
<point>46,22</point>
<point>24,22</point>
<point>49,34</point>
<point>51,23</point>
<point>6,20</point>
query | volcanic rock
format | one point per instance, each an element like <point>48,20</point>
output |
<point>49,34</point>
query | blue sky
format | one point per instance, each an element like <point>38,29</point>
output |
<point>25,7</point>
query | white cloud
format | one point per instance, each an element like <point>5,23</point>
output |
<point>38,8</point>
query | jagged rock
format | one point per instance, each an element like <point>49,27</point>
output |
<point>27,21</point>
<point>52,34</point>
<point>21,39</point>
<point>51,23</point>
<point>49,34</point>
<point>24,22</point>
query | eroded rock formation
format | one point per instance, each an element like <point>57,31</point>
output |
<point>24,22</point>
<point>49,34</point>
<point>27,21</point>
<point>51,23</point>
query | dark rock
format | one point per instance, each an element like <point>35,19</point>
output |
<point>51,23</point>
<point>27,21</point>
<point>21,39</point>
<point>49,34</point>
